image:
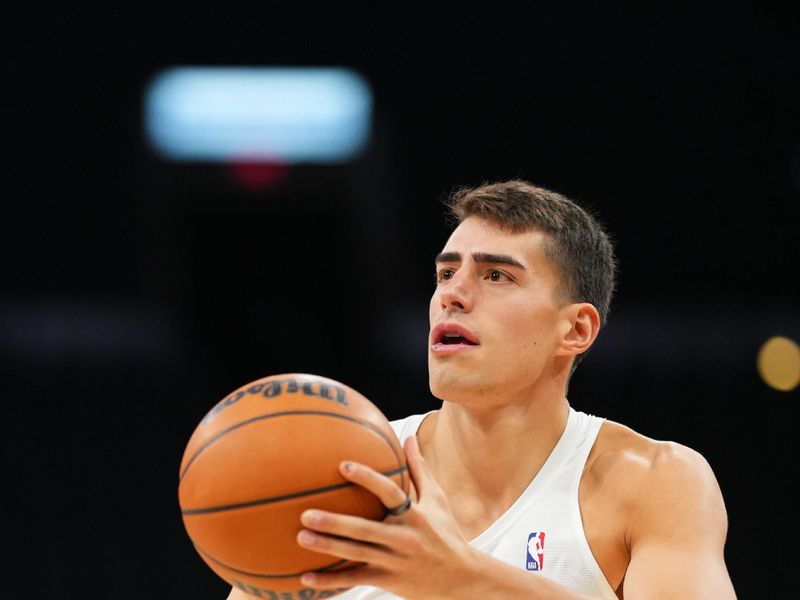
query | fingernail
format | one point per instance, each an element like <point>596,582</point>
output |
<point>306,537</point>
<point>311,517</point>
<point>308,579</point>
<point>348,466</point>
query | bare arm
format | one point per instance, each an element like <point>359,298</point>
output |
<point>676,536</point>
<point>677,532</point>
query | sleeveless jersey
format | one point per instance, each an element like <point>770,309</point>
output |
<point>542,532</point>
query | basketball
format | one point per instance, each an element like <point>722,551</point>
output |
<point>265,453</point>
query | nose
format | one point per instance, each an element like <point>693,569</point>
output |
<point>457,294</point>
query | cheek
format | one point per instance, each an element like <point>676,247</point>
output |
<point>527,331</point>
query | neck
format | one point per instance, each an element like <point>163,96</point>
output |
<point>492,452</point>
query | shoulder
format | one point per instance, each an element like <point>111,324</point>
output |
<point>654,515</point>
<point>660,484</point>
<point>621,451</point>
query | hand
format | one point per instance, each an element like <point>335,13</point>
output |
<point>419,554</point>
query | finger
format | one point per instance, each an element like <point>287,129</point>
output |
<point>418,468</point>
<point>342,548</point>
<point>349,526</point>
<point>412,490</point>
<point>379,484</point>
<point>346,578</point>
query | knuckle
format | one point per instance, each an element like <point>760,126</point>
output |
<point>362,528</point>
<point>414,546</point>
<point>357,552</point>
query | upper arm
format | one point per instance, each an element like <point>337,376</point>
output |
<point>677,531</point>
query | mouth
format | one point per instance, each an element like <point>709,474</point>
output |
<point>450,337</point>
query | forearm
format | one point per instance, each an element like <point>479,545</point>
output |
<point>491,578</point>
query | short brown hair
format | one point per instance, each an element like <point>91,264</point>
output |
<point>577,245</point>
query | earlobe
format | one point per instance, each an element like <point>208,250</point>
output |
<point>583,325</point>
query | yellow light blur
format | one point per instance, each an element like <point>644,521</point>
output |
<point>779,363</point>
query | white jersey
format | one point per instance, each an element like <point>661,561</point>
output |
<point>542,532</point>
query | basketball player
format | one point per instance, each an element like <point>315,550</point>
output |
<point>516,494</point>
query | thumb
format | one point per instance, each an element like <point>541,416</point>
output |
<point>421,476</point>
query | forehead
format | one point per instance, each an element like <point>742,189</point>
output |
<point>475,234</point>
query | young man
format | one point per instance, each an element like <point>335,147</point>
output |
<point>516,494</point>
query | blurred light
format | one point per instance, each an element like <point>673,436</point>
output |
<point>282,115</point>
<point>779,363</point>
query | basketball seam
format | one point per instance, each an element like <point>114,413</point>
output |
<point>273,499</point>
<point>323,569</point>
<point>224,432</point>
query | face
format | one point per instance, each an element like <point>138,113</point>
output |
<point>495,317</point>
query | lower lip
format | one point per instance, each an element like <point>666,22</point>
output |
<point>451,348</point>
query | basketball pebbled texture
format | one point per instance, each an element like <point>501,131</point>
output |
<point>264,454</point>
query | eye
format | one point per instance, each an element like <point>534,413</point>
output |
<point>497,275</point>
<point>444,274</point>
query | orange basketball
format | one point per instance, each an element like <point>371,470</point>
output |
<point>263,455</point>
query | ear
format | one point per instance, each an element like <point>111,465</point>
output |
<point>581,326</point>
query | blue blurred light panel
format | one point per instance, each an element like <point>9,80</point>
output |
<point>287,115</point>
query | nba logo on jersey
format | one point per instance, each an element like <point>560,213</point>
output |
<point>535,560</point>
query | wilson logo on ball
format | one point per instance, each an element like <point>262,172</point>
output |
<point>274,388</point>
<point>268,451</point>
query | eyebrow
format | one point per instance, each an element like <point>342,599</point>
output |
<point>479,257</point>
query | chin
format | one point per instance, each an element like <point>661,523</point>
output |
<point>451,387</point>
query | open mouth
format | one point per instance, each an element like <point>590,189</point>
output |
<point>452,336</point>
<point>451,339</point>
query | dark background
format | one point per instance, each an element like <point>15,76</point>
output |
<point>136,293</point>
